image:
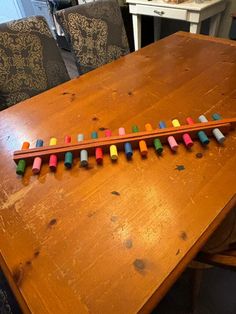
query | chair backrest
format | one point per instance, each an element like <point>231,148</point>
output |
<point>96,33</point>
<point>30,61</point>
<point>232,31</point>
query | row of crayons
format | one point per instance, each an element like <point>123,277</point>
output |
<point>68,160</point>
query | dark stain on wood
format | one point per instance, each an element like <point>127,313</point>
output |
<point>102,129</point>
<point>128,243</point>
<point>115,193</point>
<point>36,253</point>
<point>18,274</point>
<point>139,264</point>
<point>199,155</point>
<point>91,214</point>
<point>52,222</point>
<point>180,167</point>
<point>130,93</point>
<point>72,97</point>
<point>89,167</point>
<point>28,263</point>
<point>65,93</point>
<point>95,119</point>
<point>183,235</point>
<point>114,218</point>
<point>178,251</point>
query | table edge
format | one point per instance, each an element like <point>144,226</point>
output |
<point>15,290</point>
<point>224,41</point>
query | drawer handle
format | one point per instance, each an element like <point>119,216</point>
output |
<point>159,12</point>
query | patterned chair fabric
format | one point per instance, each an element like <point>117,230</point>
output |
<point>30,61</point>
<point>96,33</point>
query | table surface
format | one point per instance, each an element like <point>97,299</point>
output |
<point>114,238</point>
<point>188,5</point>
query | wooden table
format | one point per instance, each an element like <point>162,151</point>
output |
<point>189,11</point>
<point>114,238</point>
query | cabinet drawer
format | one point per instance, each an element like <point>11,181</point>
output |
<point>171,13</point>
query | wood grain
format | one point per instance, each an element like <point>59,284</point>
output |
<point>115,238</point>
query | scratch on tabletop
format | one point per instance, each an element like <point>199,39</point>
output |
<point>210,90</point>
<point>210,109</point>
<point>13,198</point>
<point>191,199</point>
<point>70,281</point>
<point>2,223</point>
<point>115,193</point>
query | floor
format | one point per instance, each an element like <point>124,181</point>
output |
<point>217,294</point>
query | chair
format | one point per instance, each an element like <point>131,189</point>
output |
<point>220,251</point>
<point>30,61</point>
<point>54,6</point>
<point>96,33</point>
<point>232,32</point>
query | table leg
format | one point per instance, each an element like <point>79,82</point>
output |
<point>136,18</point>
<point>157,28</point>
<point>195,28</point>
<point>214,25</point>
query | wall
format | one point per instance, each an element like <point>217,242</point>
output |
<point>15,9</point>
<point>9,10</point>
<point>26,7</point>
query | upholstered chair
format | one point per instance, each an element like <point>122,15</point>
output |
<point>30,61</point>
<point>96,33</point>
